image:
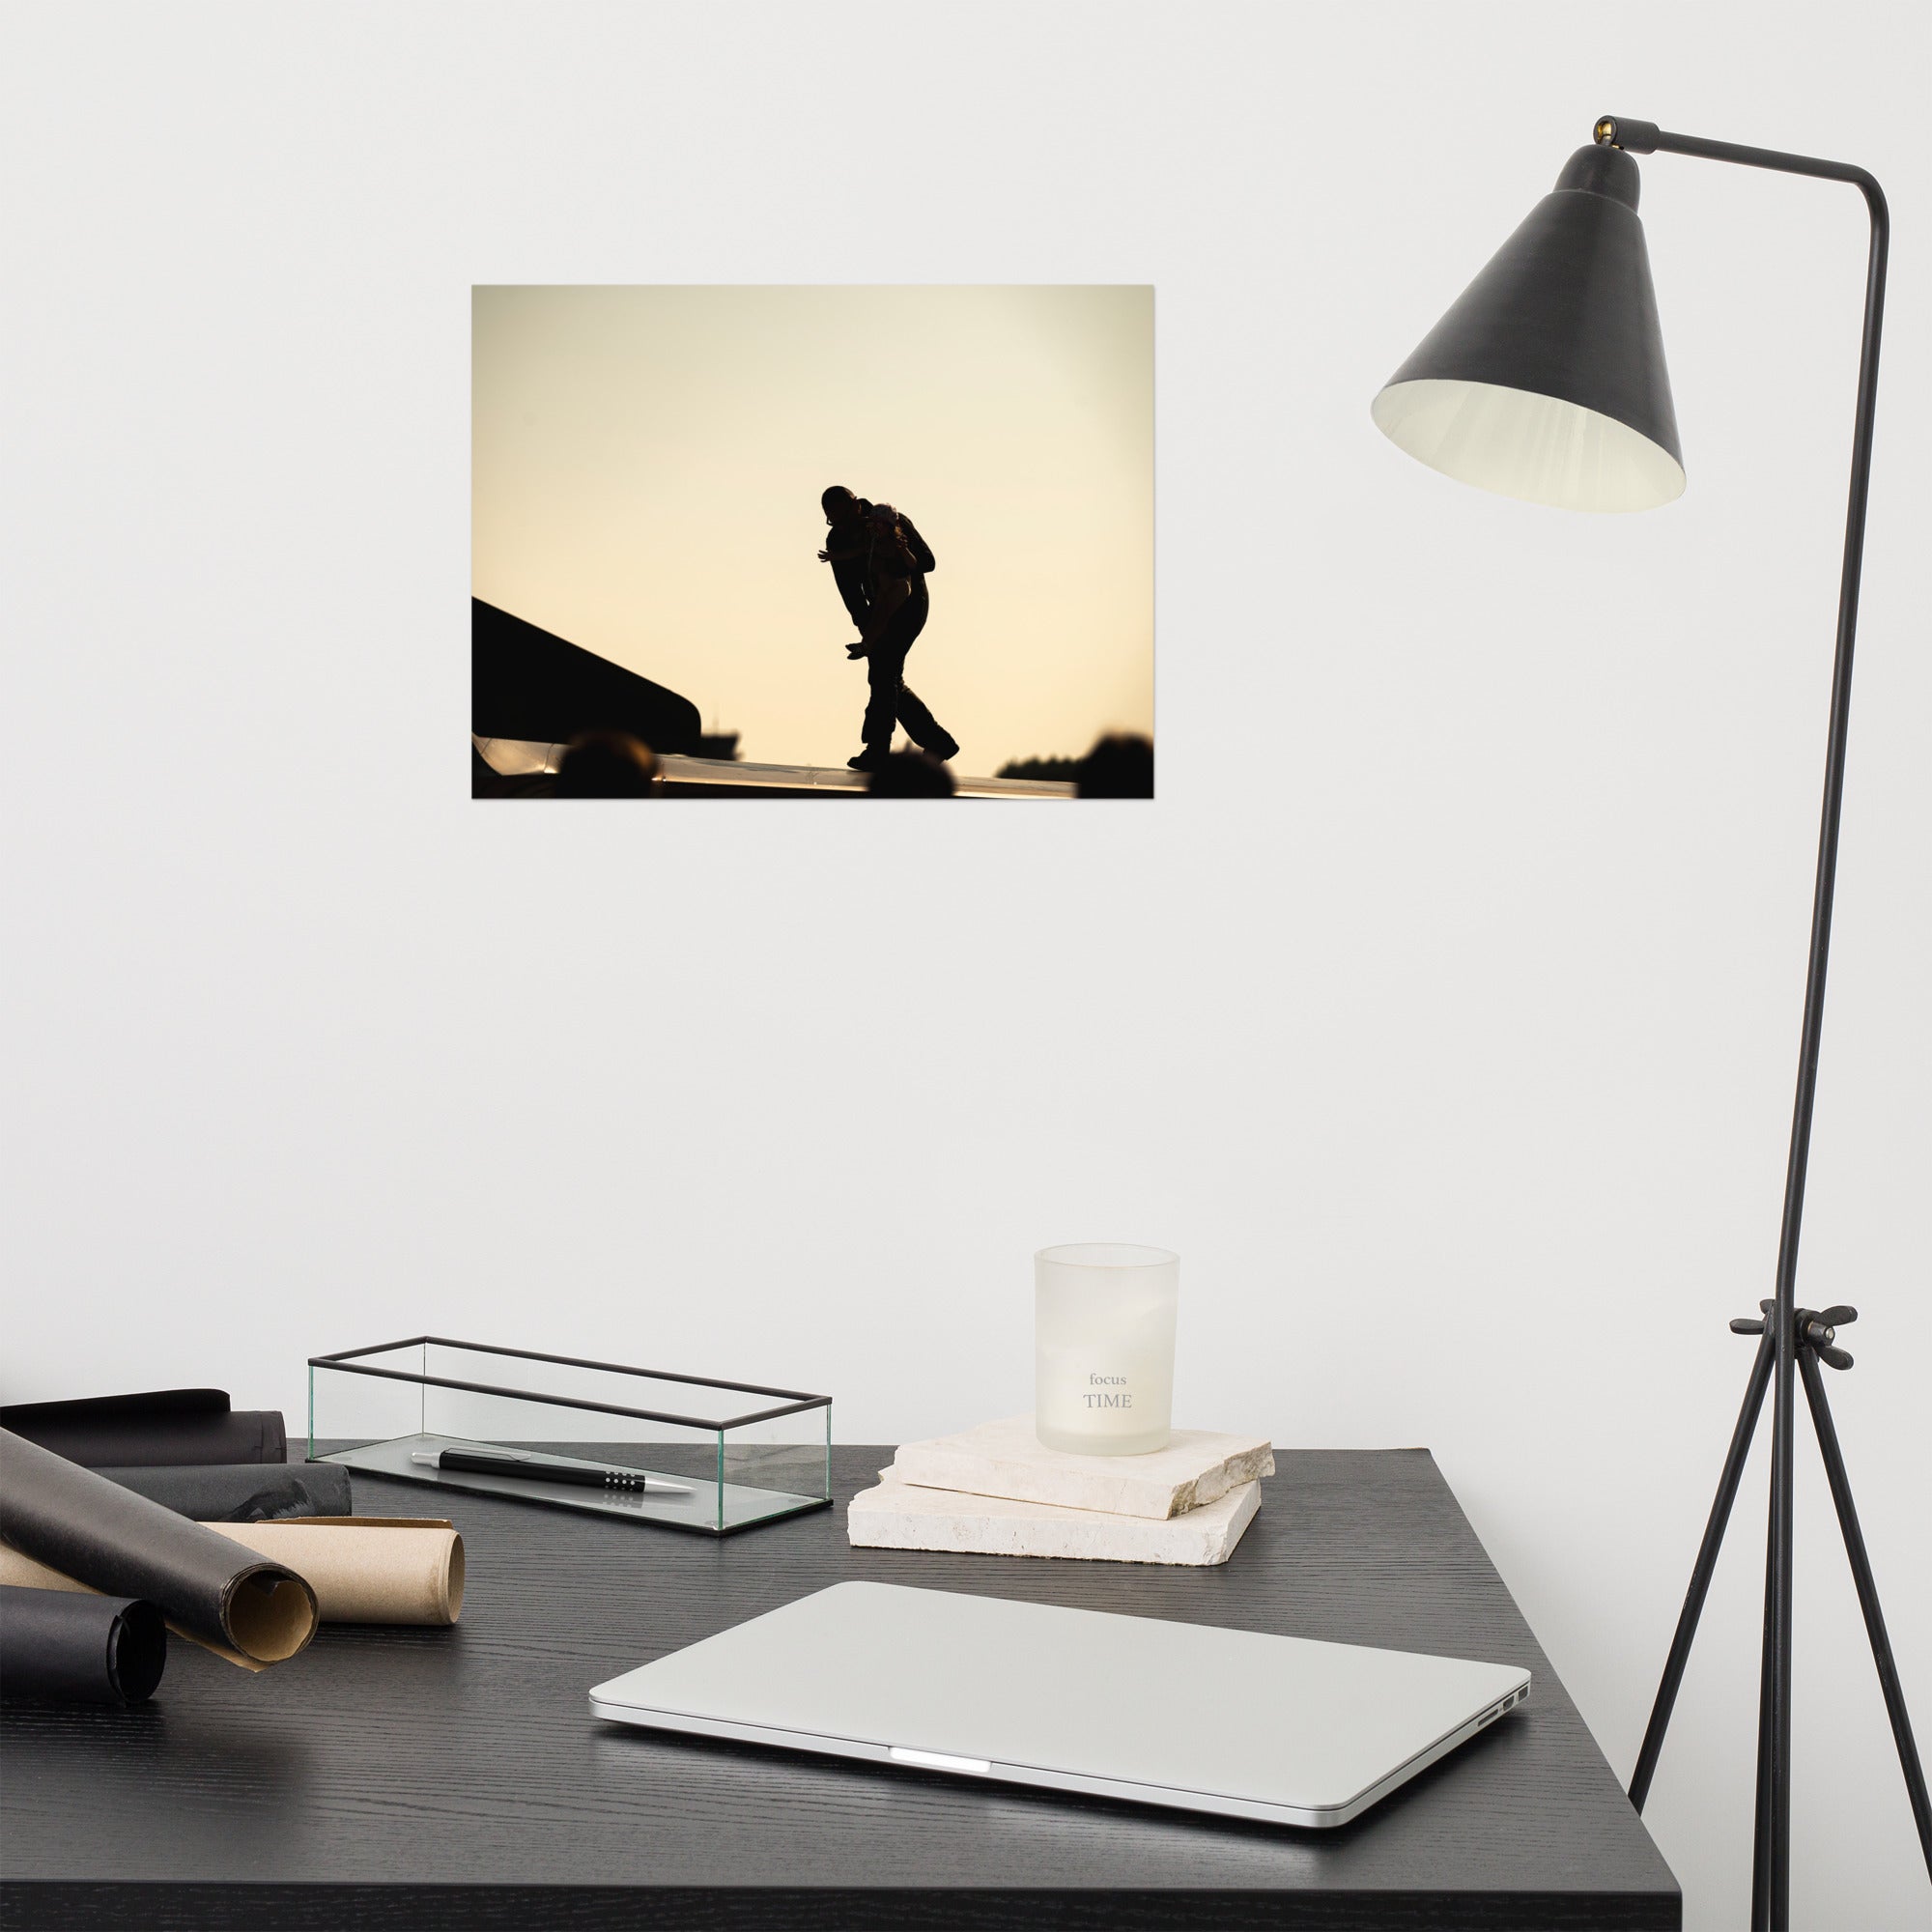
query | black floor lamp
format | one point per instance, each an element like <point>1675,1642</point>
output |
<point>1545,381</point>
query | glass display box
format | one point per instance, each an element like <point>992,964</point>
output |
<point>683,1451</point>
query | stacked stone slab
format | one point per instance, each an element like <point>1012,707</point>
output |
<point>997,1491</point>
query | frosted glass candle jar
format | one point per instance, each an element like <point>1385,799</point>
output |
<point>1103,1348</point>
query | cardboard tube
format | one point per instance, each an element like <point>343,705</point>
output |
<point>88,1533</point>
<point>363,1569</point>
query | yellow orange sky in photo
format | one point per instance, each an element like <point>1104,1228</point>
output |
<point>647,463</point>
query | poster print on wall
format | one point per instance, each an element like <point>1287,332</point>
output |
<point>812,542</point>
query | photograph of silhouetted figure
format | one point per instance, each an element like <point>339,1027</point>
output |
<point>653,539</point>
<point>880,563</point>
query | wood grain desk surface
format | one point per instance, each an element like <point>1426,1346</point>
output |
<point>425,1778</point>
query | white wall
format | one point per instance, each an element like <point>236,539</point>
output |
<point>1441,1012</point>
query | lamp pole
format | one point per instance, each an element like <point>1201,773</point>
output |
<point>1794,1345</point>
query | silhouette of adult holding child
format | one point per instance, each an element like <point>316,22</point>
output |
<point>879,562</point>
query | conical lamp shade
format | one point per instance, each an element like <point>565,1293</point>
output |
<point>1545,381</point>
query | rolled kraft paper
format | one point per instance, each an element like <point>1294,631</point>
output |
<point>105,1538</point>
<point>160,1426</point>
<point>367,1570</point>
<point>242,1492</point>
<point>19,1572</point>
<point>80,1649</point>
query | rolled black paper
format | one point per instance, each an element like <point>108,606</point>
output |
<point>242,1492</point>
<point>161,1426</point>
<point>113,1541</point>
<point>80,1649</point>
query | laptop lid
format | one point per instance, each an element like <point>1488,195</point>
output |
<point>1233,1721</point>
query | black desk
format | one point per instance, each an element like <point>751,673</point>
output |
<point>429,1778</point>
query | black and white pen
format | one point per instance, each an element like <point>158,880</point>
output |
<point>534,1469</point>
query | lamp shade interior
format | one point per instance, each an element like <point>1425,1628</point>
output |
<point>1519,443</point>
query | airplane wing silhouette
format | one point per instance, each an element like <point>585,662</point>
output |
<point>527,683</point>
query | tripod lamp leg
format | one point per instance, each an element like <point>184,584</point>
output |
<point>1762,1827</point>
<point>1701,1573</point>
<point>1778,1628</point>
<point>1867,1588</point>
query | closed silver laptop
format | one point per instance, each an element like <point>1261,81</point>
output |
<point>1238,1722</point>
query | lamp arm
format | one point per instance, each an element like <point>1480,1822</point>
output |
<point>1770,1903</point>
<point>1646,138</point>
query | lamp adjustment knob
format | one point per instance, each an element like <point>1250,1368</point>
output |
<point>1619,130</point>
<point>1817,1330</point>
